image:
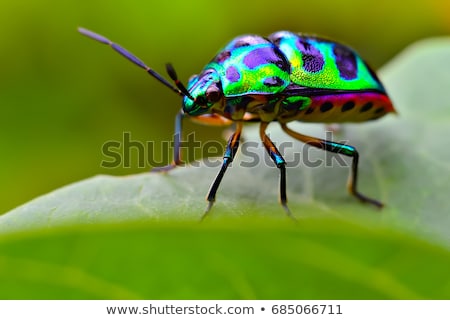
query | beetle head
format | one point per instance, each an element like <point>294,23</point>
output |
<point>205,91</point>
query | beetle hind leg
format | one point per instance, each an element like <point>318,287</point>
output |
<point>340,149</point>
<point>351,183</point>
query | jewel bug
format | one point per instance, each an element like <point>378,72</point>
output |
<point>283,77</point>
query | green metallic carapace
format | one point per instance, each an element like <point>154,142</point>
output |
<point>284,77</point>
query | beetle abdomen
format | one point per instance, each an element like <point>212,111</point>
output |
<point>290,76</point>
<point>342,107</point>
<point>324,64</point>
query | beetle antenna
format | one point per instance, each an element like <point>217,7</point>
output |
<point>125,53</point>
<point>173,75</point>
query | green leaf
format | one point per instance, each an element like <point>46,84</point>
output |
<point>249,259</point>
<point>353,250</point>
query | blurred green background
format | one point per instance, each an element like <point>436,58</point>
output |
<point>62,95</point>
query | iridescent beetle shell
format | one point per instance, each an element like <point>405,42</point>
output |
<point>287,77</point>
<point>282,78</point>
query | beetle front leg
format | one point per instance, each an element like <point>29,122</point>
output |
<point>176,145</point>
<point>340,149</point>
<point>277,158</point>
<point>230,152</point>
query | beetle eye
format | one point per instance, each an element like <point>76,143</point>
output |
<point>213,94</point>
<point>201,102</point>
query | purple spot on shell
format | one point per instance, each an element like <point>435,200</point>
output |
<point>302,45</point>
<point>273,82</point>
<point>313,62</point>
<point>311,56</point>
<point>221,57</point>
<point>232,74</point>
<point>245,41</point>
<point>345,62</point>
<point>241,43</point>
<point>261,56</point>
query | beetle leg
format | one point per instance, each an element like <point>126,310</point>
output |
<point>176,145</point>
<point>341,149</point>
<point>230,152</point>
<point>279,162</point>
